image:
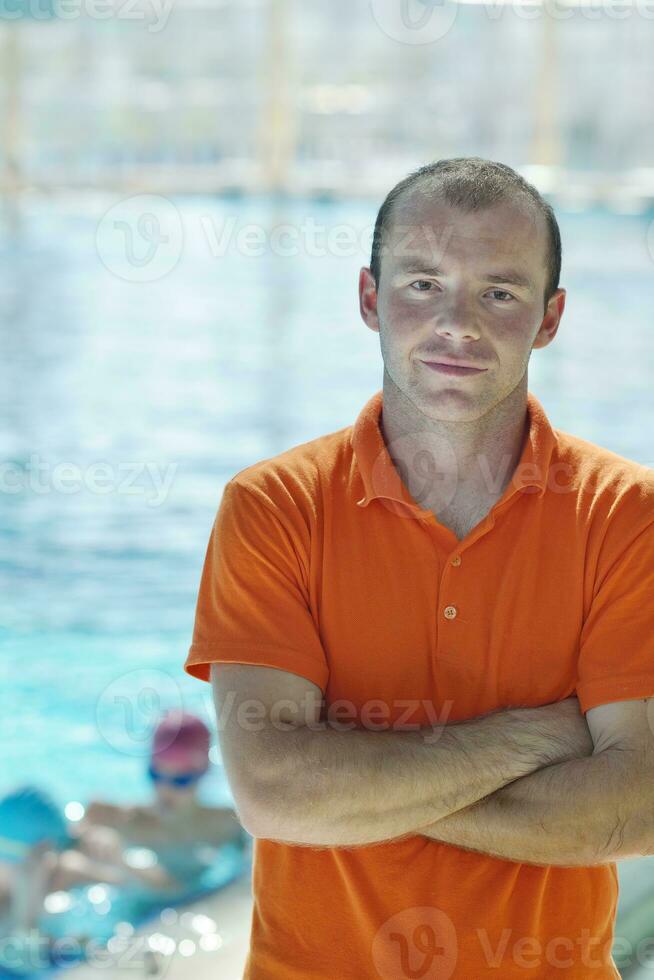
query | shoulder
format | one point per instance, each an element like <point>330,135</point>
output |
<point>297,480</point>
<point>611,481</point>
<point>605,499</point>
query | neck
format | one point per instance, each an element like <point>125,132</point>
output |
<point>446,460</point>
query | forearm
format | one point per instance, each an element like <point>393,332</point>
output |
<point>582,812</point>
<point>337,789</point>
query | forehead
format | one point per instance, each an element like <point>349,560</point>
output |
<point>428,229</point>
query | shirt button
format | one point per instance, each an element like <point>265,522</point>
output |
<point>450,612</point>
<point>457,560</point>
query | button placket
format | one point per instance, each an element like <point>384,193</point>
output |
<point>450,611</point>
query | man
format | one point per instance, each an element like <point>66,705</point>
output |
<point>431,634</point>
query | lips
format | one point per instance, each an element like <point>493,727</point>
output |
<point>453,367</point>
<point>453,363</point>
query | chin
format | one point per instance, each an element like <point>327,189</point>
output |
<point>453,405</point>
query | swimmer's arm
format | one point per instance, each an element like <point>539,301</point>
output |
<point>155,877</point>
<point>133,822</point>
<point>587,811</point>
<point>76,868</point>
<point>105,850</point>
<point>218,824</point>
<point>111,814</point>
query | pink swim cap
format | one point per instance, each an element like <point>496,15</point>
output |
<point>182,739</point>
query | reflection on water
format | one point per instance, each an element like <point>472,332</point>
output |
<point>173,386</point>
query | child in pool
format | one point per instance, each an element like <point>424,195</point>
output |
<point>179,829</point>
<point>181,833</point>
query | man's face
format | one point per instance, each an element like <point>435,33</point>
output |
<point>448,289</point>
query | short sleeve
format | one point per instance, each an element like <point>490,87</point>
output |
<point>252,604</point>
<point>616,653</point>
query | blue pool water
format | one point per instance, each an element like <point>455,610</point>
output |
<point>223,361</point>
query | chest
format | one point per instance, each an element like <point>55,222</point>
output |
<point>451,626</point>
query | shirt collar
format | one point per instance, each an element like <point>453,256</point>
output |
<point>381,478</point>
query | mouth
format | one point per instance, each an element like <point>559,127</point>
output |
<point>453,369</point>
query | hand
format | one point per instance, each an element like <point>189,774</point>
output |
<point>567,735</point>
<point>548,734</point>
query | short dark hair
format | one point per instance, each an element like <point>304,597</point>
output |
<point>470,183</point>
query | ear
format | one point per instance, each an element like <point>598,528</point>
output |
<point>368,299</point>
<point>549,326</point>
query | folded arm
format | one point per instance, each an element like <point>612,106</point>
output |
<point>585,811</point>
<point>301,781</point>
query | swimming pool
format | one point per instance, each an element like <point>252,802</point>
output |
<point>224,360</point>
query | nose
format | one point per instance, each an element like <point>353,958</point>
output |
<point>456,319</point>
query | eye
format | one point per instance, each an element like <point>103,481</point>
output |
<point>424,282</point>
<point>504,293</point>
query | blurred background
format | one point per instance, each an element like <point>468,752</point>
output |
<point>188,190</point>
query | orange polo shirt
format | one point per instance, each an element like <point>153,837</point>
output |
<point>321,563</point>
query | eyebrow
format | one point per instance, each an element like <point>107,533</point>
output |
<point>510,276</point>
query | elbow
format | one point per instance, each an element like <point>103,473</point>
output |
<point>274,812</point>
<point>271,792</point>
<point>258,825</point>
<point>262,815</point>
<point>256,803</point>
<point>251,818</point>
